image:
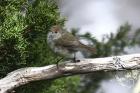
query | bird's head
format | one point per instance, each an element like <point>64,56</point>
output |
<point>56,29</point>
<point>55,32</point>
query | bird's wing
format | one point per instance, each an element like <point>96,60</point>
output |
<point>67,40</point>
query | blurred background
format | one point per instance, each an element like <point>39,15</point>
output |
<point>112,26</point>
<point>100,18</point>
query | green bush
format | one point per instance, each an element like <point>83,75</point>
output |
<point>24,25</point>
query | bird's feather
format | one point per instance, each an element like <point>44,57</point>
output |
<point>67,40</point>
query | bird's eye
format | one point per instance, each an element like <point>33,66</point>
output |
<point>55,31</point>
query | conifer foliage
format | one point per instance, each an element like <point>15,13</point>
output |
<point>24,25</point>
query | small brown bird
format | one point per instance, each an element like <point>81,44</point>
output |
<point>65,44</point>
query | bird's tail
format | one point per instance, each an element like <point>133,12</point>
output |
<point>88,48</point>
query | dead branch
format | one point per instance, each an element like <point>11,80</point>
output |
<point>26,75</point>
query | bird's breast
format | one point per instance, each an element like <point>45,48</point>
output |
<point>61,51</point>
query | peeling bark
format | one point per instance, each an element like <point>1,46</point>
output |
<point>26,75</point>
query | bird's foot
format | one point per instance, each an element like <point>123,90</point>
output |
<point>75,60</point>
<point>57,62</point>
<point>118,63</point>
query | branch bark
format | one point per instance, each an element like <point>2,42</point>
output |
<point>26,75</point>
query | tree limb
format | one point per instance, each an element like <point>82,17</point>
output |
<point>26,75</point>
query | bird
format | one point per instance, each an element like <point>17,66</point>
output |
<point>65,44</point>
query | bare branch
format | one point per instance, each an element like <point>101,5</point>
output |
<point>26,75</point>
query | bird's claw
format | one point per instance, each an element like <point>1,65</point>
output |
<point>57,62</point>
<point>75,60</point>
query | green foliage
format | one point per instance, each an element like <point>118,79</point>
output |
<point>136,37</point>
<point>61,85</point>
<point>24,25</point>
<point>64,85</point>
<point>12,44</point>
<point>40,17</point>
